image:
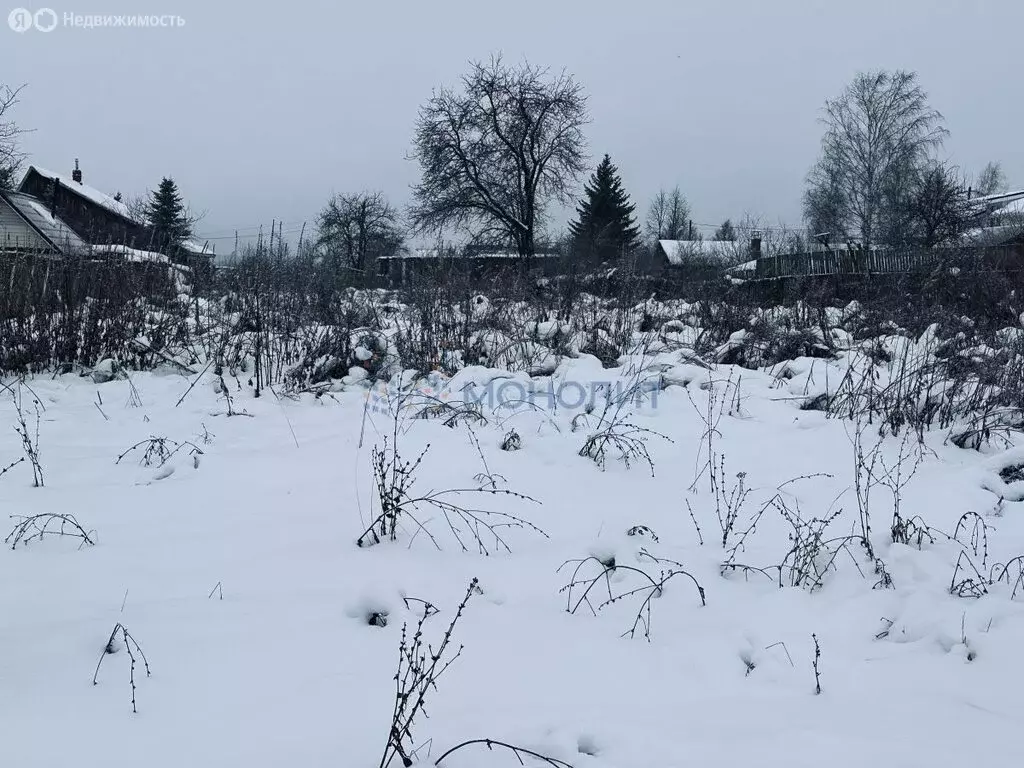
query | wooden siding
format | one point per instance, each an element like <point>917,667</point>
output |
<point>16,236</point>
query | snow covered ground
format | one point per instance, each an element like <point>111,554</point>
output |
<point>280,665</point>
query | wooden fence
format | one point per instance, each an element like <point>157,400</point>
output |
<point>881,262</point>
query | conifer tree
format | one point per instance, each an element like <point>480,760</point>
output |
<point>726,232</point>
<point>168,217</point>
<point>605,226</point>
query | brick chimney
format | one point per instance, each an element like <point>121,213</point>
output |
<point>76,175</point>
<point>755,244</point>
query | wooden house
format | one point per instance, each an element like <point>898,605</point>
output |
<point>59,215</point>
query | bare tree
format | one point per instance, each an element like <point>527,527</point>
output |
<point>496,154</point>
<point>668,216</point>
<point>825,209</point>
<point>774,238</point>
<point>991,180</point>
<point>11,156</point>
<point>355,230</point>
<point>939,204</point>
<point>882,125</point>
<point>138,206</point>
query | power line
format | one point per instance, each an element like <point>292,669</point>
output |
<point>253,236</point>
<point>255,227</point>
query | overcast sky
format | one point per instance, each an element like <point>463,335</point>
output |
<point>262,110</point>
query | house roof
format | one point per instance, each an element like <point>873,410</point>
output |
<point>107,202</point>
<point>130,254</point>
<point>1013,207</point>
<point>725,252</point>
<point>435,253</point>
<point>998,200</point>
<point>51,228</point>
<point>745,267</point>
<point>199,247</point>
<point>991,236</point>
<point>84,190</point>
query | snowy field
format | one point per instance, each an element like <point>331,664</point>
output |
<point>234,566</point>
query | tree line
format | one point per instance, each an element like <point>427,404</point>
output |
<point>879,178</point>
<point>497,154</point>
<point>501,151</point>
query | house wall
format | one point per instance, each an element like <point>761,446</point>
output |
<point>93,223</point>
<point>16,235</point>
<point>650,260</point>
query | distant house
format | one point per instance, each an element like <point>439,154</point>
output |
<point>473,262</point>
<point>996,221</point>
<point>97,218</point>
<point>1009,235</point>
<point>993,210</point>
<point>710,256</point>
<point>57,215</point>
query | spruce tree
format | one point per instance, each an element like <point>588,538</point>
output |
<point>168,217</point>
<point>606,226</point>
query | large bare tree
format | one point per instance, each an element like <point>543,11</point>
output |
<point>354,230</point>
<point>880,127</point>
<point>668,217</point>
<point>11,156</point>
<point>495,154</point>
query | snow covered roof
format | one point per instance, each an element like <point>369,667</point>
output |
<point>129,254</point>
<point>991,236</point>
<point>992,212</point>
<point>509,255</point>
<point>998,200</point>
<point>747,266</point>
<point>57,233</point>
<point>104,200</point>
<point>89,193</point>
<point>1013,207</point>
<point>680,252</point>
<point>199,247</point>
<point>435,253</point>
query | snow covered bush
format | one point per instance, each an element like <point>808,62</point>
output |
<point>512,441</point>
<point>400,505</point>
<point>119,638</point>
<point>613,435</point>
<point>37,527</point>
<point>370,352</point>
<point>599,582</point>
<point>159,450</point>
<point>29,434</point>
<point>420,666</point>
<point>765,344</point>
